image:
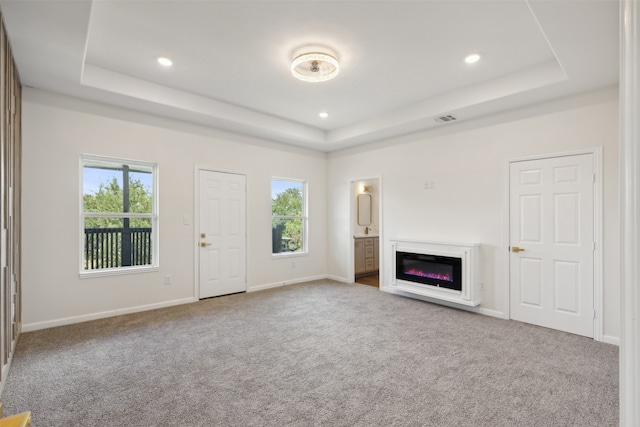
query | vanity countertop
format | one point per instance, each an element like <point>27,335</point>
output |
<point>364,236</point>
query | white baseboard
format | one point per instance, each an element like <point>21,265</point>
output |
<point>28,327</point>
<point>287,282</point>
<point>608,339</point>
<point>339,279</point>
<point>490,312</point>
<point>265,286</point>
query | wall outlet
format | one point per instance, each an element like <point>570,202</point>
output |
<point>481,287</point>
<point>293,264</point>
<point>429,185</point>
<point>167,280</point>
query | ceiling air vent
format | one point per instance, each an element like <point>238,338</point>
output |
<point>446,119</point>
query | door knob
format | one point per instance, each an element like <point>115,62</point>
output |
<point>204,244</point>
<point>516,249</point>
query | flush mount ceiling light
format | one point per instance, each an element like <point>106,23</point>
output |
<point>323,115</point>
<point>315,67</point>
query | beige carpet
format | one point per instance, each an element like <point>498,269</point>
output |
<point>316,354</point>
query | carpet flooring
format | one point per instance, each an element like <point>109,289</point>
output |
<point>315,354</point>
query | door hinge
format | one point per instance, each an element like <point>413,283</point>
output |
<point>594,314</point>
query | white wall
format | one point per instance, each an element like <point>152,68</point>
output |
<point>57,130</point>
<point>466,163</point>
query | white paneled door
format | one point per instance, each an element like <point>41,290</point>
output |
<point>222,241</point>
<point>551,222</point>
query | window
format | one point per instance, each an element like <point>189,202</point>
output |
<point>119,217</point>
<point>289,216</point>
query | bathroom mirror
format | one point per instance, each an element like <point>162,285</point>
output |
<point>364,209</point>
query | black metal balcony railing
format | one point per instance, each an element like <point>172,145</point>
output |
<point>116,247</point>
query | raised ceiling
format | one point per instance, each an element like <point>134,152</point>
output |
<point>401,62</point>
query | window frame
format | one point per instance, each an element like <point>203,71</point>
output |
<point>153,216</point>
<point>304,217</point>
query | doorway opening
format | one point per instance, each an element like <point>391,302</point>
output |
<point>365,229</point>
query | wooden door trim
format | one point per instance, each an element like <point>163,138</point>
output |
<point>598,290</point>
<point>196,223</point>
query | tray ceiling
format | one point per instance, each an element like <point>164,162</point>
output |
<point>401,62</point>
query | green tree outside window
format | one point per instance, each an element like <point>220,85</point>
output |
<point>288,216</point>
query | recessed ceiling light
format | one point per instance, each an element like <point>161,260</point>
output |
<point>472,59</point>
<point>323,115</point>
<point>165,62</point>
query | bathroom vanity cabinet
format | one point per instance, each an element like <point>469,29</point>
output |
<point>367,250</point>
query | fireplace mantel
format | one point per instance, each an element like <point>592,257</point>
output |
<point>469,253</point>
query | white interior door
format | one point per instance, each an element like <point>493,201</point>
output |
<point>222,237</point>
<point>552,243</point>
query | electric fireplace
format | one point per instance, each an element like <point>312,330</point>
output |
<point>434,270</point>
<point>440,271</point>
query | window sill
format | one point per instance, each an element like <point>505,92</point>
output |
<point>117,271</point>
<point>289,255</point>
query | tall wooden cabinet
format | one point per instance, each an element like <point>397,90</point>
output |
<point>10,203</point>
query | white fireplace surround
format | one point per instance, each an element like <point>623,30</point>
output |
<point>469,253</point>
